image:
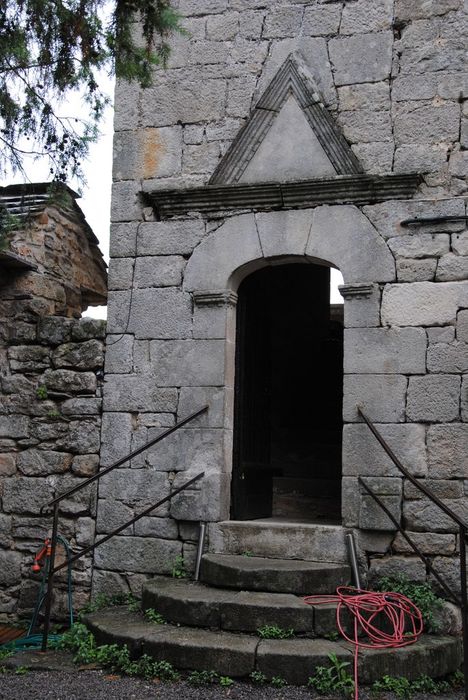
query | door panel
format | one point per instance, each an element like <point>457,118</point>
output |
<point>252,481</point>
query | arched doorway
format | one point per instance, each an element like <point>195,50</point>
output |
<point>288,396</point>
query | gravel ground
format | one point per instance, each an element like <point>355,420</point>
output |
<point>99,685</point>
<point>54,676</point>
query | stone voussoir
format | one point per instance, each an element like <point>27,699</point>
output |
<point>272,575</point>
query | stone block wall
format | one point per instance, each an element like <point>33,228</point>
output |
<point>410,373</point>
<point>392,71</point>
<point>50,422</point>
<point>393,75</point>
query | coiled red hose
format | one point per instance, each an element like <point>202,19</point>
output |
<point>371,611</point>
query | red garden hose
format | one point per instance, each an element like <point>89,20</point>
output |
<point>393,610</point>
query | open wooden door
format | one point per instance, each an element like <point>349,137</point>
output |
<point>288,397</point>
<point>252,477</point>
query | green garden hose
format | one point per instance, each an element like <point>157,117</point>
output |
<point>34,641</point>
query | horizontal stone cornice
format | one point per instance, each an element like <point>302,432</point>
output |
<point>342,189</point>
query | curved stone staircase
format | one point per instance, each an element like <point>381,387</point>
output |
<point>212,624</point>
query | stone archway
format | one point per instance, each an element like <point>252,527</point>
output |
<point>334,236</point>
<point>338,235</point>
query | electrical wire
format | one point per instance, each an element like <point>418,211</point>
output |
<point>371,611</point>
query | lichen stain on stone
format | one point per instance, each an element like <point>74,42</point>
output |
<point>153,152</point>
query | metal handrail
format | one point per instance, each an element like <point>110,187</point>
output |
<point>462,529</point>
<point>123,527</point>
<point>411,542</point>
<point>448,511</point>
<point>55,504</point>
<point>127,458</point>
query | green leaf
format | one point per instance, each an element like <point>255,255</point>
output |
<point>51,49</point>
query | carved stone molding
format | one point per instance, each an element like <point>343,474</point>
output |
<point>216,297</point>
<point>292,79</point>
<point>342,189</point>
<point>356,291</point>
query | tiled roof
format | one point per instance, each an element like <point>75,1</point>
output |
<point>29,199</point>
<point>26,199</point>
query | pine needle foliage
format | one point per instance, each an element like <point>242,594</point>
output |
<point>52,49</point>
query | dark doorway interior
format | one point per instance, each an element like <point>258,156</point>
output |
<point>289,387</point>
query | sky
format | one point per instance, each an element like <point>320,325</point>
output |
<point>96,198</point>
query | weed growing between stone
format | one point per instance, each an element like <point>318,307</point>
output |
<point>41,392</point>
<point>153,616</point>
<point>22,670</point>
<point>102,600</point>
<point>421,594</point>
<point>258,678</point>
<point>333,678</point>
<point>405,689</point>
<point>203,678</point>
<point>80,641</point>
<point>8,223</point>
<point>5,653</point>
<point>226,681</point>
<point>278,682</point>
<point>332,636</point>
<point>178,568</point>
<point>274,632</point>
<point>133,604</point>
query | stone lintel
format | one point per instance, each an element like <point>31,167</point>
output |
<point>215,297</point>
<point>356,291</point>
<point>341,189</point>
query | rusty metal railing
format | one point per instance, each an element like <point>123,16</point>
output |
<point>55,505</point>
<point>462,601</point>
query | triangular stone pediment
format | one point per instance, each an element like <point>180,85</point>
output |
<point>290,135</point>
<point>290,149</point>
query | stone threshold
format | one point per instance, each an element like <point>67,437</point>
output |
<point>342,189</point>
<point>279,540</point>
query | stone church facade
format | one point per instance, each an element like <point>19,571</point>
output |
<point>284,140</point>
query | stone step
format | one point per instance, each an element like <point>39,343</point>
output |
<point>197,605</point>
<point>281,540</point>
<point>273,575</point>
<point>237,655</point>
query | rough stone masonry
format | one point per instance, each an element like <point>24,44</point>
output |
<point>50,395</point>
<point>391,78</point>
